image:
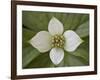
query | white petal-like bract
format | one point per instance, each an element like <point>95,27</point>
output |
<point>56,55</point>
<point>55,27</point>
<point>72,41</point>
<point>41,41</point>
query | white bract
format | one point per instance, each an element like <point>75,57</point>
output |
<point>56,41</point>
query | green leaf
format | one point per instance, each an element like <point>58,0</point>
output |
<point>81,53</point>
<point>35,21</point>
<point>71,60</point>
<point>83,29</point>
<point>72,21</point>
<point>85,17</point>
<point>26,36</point>
<point>42,61</point>
<point>29,54</point>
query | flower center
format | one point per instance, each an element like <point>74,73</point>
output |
<point>58,41</point>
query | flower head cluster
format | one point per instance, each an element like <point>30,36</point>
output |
<point>56,41</point>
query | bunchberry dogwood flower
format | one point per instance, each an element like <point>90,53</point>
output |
<point>56,41</point>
